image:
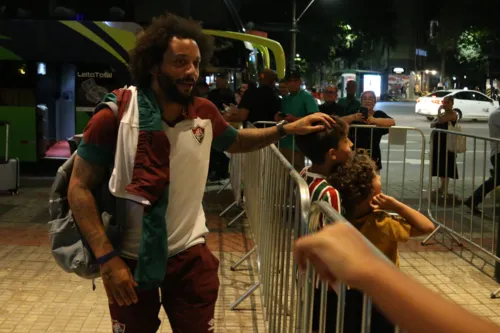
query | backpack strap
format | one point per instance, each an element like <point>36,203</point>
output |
<point>119,107</point>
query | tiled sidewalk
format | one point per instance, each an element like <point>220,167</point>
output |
<point>37,296</point>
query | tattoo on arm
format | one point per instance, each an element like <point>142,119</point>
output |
<point>85,177</point>
<point>251,139</point>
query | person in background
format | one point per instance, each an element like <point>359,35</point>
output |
<point>350,103</point>
<point>298,104</point>
<point>283,88</point>
<point>244,87</point>
<point>473,201</point>
<point>331,107</point>
<point>368,139</point>
<point>366,207</point>
<point>221,94</point>
<point>316,95</point>
<point>339,253</point>
<point>447,167</point>
<point>257,104</point>
<point>201,89</point>
<point>238,95</point>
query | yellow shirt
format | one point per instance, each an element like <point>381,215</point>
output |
<point>385,231</point>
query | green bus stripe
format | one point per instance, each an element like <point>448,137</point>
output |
<point>6,54</point>
<point>125,38</point>
<point>80,28</point>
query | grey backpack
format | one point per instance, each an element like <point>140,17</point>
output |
<point>69,248</point>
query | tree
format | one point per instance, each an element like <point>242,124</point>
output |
<point>347,44</point>
<point>469,45</point>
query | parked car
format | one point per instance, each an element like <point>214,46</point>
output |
<point>469,104</point>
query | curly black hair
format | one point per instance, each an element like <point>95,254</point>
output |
<point>354,181</point>
<point>315,145</point>
<point>155,40</point>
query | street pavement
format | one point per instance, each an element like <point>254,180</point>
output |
<point>36,296</point>
<point>403,155</point>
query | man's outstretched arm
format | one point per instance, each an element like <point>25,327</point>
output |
<point>251,139</point>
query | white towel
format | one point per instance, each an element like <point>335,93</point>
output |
<point>126,147</point>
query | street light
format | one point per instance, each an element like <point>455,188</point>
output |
<point>295,28</point>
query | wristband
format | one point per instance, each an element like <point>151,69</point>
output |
<point>107,257</point>
<point>281,128</point>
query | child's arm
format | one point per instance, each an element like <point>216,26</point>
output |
<point>420,225</point>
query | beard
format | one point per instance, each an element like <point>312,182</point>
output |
<point>169,88</point>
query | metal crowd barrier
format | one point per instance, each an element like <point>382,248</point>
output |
<point>330,216</point>
<point>235,180</point>
<point>408,185</point>
<point>277,207</point>
<point>448,209</point>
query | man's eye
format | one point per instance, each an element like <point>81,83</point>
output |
<point>180,62</point>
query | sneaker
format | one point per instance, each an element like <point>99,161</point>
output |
<point>475,210</point>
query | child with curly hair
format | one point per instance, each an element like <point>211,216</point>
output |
<point>365,206</point>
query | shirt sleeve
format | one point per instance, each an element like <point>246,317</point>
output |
<point>224,135</point>
<point>381,114</point>
<point>395,227</point>
<point>311,105</point>
<point>99,139</point>
<point>332,196</point>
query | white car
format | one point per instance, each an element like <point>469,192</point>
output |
<point>469,104</point>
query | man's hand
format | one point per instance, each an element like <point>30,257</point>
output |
<point>337,252</point>
<point>231,108</point>
<point>310,124</point>
<point>279,116</point>
<point>118,282</point>
<point>384,202</point>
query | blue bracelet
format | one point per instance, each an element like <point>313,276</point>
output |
<point>107,257</point>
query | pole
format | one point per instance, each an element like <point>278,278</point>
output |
<point>294,35</point>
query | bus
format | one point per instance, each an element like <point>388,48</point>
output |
<point>55,72</point>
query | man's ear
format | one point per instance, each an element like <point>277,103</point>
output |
<point>332,154</point>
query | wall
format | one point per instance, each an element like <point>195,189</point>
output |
<point>65,105</point>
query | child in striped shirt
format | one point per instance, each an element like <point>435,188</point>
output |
<point>325,149</point>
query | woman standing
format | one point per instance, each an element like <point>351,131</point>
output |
<point>444,163</point>
<point>368,139</point>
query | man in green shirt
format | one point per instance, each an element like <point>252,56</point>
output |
<point>350,103</point>
<point>297,104</point>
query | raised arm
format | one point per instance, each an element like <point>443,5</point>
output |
<point>420,225</point>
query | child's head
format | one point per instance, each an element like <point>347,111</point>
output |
<point>328,147</point>
<point>357,182</point>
